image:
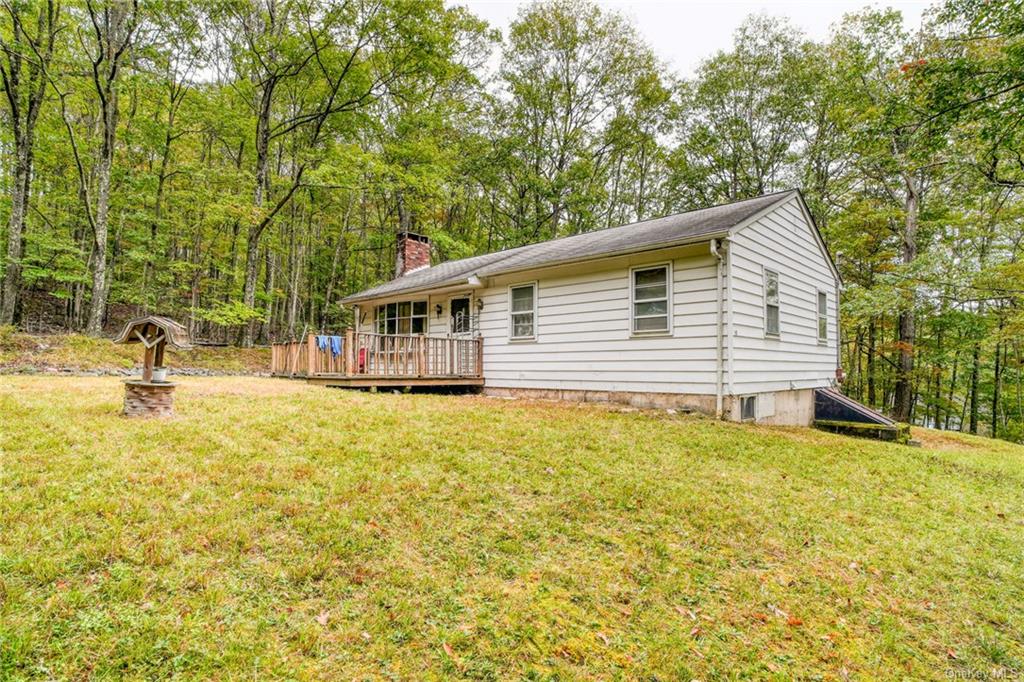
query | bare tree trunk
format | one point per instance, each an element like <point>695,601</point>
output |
<point>268,292</point>
<point>952,389</point>
<point>997,375</point>
<point>252,247</point>
<point>872,396</point>
<point>335,258</point>
<point>101,230</point>
<point>975,366</point>
<point>114,29</point>
<point>24,77</point>
<point>904,388</point>
<point>15,235</point>
<point>176,97</point>
<point>937,372</point>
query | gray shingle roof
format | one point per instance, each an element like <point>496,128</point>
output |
<point>667,231</point>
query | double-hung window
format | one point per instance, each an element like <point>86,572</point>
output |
<point>522,306</point>
<point>771,303</point>
<point>822,316</point>
<point>651,305</point>
<point>402,317</point>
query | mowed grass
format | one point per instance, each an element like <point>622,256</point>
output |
<point>277,530</point>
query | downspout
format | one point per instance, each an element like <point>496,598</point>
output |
<point>730,333</point>
<point>719,362</point>
<point>839,327</point>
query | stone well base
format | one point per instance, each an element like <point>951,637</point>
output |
<point>148,399</point>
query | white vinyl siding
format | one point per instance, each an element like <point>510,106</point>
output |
<point>585,339</point>
<point>784,242</point>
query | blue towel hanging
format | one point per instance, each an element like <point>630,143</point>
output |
<point>322,341</point>
<point>335,346</point>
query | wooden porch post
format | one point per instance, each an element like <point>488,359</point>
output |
<point>421,356</point>
<point>311,356</point>
<point>350,352</point>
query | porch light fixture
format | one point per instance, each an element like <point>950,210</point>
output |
<point>439,309</point>
<point>479,304</point>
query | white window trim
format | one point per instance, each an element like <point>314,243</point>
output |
<point>668,300</point>
<point>536,312</point>
<point>764,301</point>
<point>818,315</point>
<point>426,320</point>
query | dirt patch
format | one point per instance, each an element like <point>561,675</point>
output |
<point>948,440</point>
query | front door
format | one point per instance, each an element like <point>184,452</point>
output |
<point>460,322</point>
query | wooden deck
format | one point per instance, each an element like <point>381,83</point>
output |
<point>342,381</point>
<point>366,360</point>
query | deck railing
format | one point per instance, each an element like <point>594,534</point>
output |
<point>367,354</point>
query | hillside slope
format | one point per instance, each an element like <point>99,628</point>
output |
<point>79,354</point>
<point>324,534</point>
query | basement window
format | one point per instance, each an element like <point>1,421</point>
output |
<point>651,304</point>
<point>771,303</point>
<point>748,408</point>
<point>822,316</point>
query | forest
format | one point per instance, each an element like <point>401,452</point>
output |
<point>241,165</point>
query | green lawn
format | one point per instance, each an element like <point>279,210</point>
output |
<point>276,530</point>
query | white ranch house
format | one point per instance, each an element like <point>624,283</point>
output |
<point>729,310</point>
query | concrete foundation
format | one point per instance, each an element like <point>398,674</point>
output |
<point>779,408</point>
<point>679,401</point>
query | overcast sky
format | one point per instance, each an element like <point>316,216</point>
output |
<point>683,32</point>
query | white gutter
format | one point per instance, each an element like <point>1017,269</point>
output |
<point>719,361</point>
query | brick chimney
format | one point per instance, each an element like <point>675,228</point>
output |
<point>413,253</point>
